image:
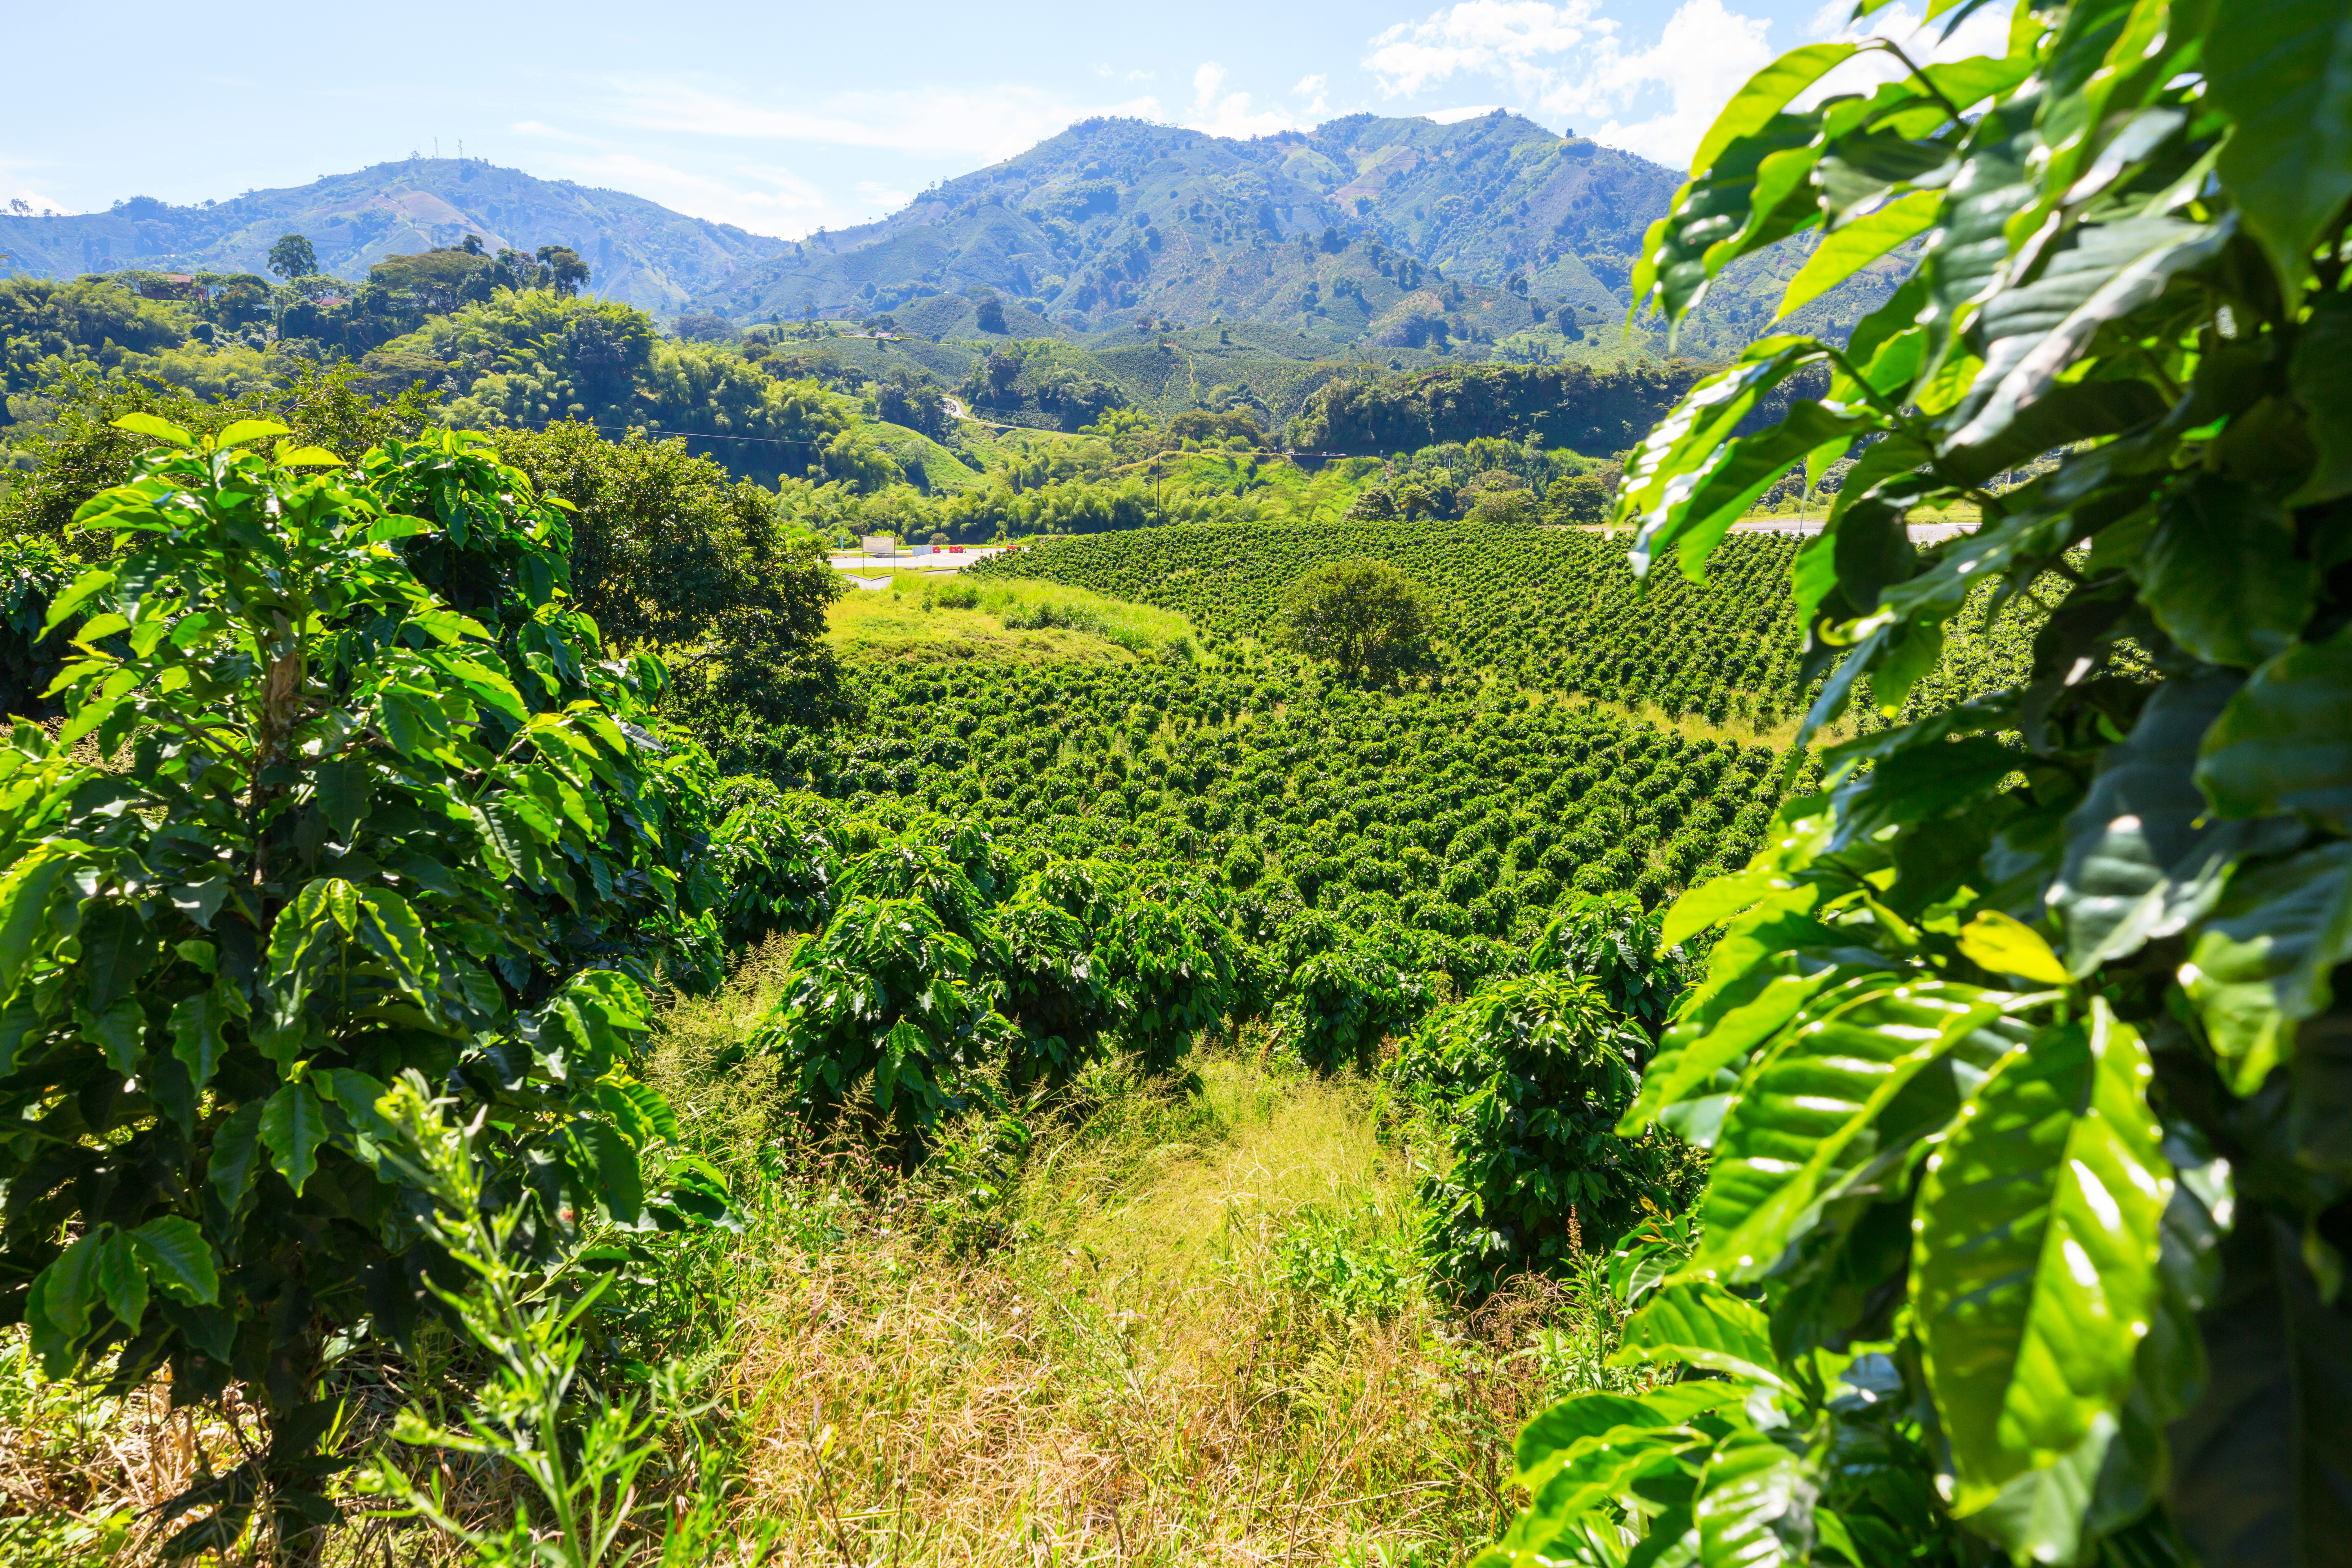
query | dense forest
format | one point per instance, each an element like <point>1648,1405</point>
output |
<point>1620,964</point>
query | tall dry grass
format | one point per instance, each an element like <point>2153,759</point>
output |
<point>1147,1372</point>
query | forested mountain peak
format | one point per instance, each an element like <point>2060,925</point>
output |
<point>1366,229</point>
<point>640,251</point>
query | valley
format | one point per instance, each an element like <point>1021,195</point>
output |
<point>1171,860</point>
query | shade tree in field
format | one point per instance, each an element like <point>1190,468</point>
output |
<point>1366,617</point>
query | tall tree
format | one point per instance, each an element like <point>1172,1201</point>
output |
<point>292,257</point>
<point>1365,616</point>
<point>565,271</point>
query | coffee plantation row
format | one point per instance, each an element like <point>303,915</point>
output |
<point>1547,608</point>
<point>1460,809</point>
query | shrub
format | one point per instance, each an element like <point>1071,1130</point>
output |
<point>1528,1076</point>
<point>349,845</point>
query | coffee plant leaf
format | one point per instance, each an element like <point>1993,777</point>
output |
<point>1793,1126</point>
<point>2283,742</point>
<point>2033,1269</point>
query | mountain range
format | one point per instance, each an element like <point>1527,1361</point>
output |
<point>1363,230</point>
<point>1491,237</point>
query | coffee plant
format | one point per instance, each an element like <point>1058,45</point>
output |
<point>2020,1052</point>
<point>1450,810</point>
<point>307,826</point>
<point>1527,1077</point>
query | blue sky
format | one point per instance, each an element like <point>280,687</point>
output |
<point>787,117</point>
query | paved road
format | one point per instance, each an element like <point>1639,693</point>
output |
<point>1920,532</point>
<point>854,564</point>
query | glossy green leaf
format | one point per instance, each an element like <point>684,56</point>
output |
<point>235,1155</point>
<point>82,589</point>
<point>1690,435</point>
<point>2006,945</point>
<point>1694,515</point>
<point>177,1259</point>
<point>239,432</point>
<point>2040,1516</point>
<point>2284,743</point>
<point>1805,1113</point>
<point>2144,860</point>
<point>2283,70</point>
<point>1841,255</point>
<point>1687,1062</point>
<point>1718,213</point>
<point>37,890</point>
<point>2321,375</point>
<point>150,424</point>
<point>1700,1322</point>
<point>1920,783</point>
<point>292,1127</point>
<point>387,927</point>
<point>2033,1267</point>
<point>122,1281</point>
<point>1567,1489</point>
<point>197,1025</point>
<point>1583,1416</point>
<point>1968,251</point>
<point>619,1185</point>
<point>2261,964</point>
<point>1766,94</point>
<point>357,1093</point>
<point>2033,331</point>
<point>2220,574</point>
<point>1754,1504</point>
<point>638,1110</point>
<point>63,1296</point>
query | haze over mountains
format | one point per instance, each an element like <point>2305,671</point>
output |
<point>1491,236</point>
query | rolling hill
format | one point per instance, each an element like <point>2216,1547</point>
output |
<point>639,251</point>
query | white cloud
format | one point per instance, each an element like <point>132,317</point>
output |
<point>1506,38</point>
<point>1229,114</point>
<point>1310,87</point>
<point>765,198</point>
<point>1703,56</point>
<point>1570,62</point>
<point>1454,115</point>
<point>17,185</point>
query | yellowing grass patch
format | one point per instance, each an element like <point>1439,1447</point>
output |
<point>941,616</point>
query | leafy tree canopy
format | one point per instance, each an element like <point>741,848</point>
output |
<point>363,833</point>
<point>1365,616</point>
<point>293,256</point>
